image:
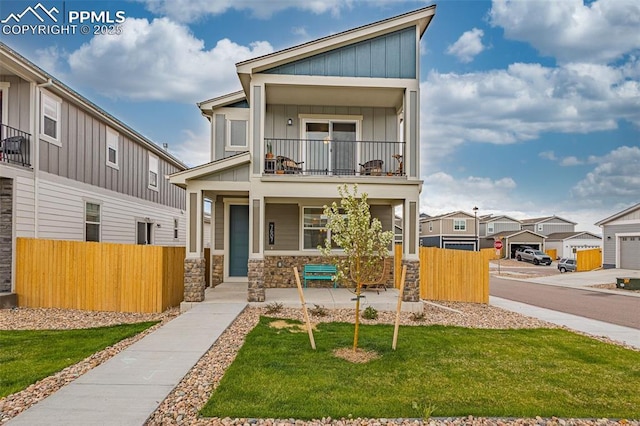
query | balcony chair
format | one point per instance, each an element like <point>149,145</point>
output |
<point>371,168</point>
<point>13,146</point>
<point>287,165</point>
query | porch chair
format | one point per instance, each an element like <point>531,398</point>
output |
<point>288,165</point>
<point>371,168</point>
<point>12,146</point>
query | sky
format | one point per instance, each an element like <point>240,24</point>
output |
<point>529,108</point>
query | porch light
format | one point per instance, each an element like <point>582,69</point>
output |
<point>289,122</point>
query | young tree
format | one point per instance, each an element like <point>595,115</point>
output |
<point>365,245</point>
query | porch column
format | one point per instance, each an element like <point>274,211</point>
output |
<point>256,290</point>
<point>194,263</point>
<point>412,133</point>
<point>410,252</point>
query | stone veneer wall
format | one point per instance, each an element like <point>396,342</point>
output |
<point>194,283</point>
<point>256,291</point>
<point>412,281</point>
<point>217,269</point>
<point>6,233</point>
<point>282,277</point>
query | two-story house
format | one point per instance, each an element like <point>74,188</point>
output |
<point>69,170</point>
<point>343,109</point>
<point>621,239</point>
<point>548,225</point>
<point>455,230</point>
<point>489,225</point>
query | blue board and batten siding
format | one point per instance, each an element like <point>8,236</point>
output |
<point>388,56</point>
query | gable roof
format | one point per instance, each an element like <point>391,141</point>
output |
<point>561,236</point>
<point>21,66</point>
<point>536,220</point>
<point>420,18</point>
<point>509,234</point>
<point>618,215</point>
<point>180,178</point>
<point>491,218</point>
<point>444,216</point>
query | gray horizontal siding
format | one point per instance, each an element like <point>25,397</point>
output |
<point>286,220</point>
<point>378,124</point>
<point>610,241</point>
<point>388,56</point>
<point>82,157</point>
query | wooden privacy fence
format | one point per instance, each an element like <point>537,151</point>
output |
<point>588,260</point>
<point>98,276</point>
<point>451,275</point>
<point>552,253</point>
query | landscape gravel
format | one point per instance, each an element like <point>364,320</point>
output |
<point>183,403</point>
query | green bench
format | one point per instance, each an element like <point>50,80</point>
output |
<point>320,272</point>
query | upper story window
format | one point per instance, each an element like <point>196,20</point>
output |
<point>92,222</point>
<point>430,226</point>
<point>50,118</point>
<point>459,224</point>
<point>540,227</point>
<point>153,171</point>
<point>237,135</point>
<point>490,227</point>
<point>112,148</point>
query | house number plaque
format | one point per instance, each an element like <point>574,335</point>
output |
<point>272,233</point>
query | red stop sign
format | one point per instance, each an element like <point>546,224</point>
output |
<point>497,244</point>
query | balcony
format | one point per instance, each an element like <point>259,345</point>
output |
<point>14,146</point>
<point>328,157</point>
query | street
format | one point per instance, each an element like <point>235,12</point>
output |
<point>612,308</point>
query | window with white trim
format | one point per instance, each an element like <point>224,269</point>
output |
<point>490,228</point>
<point>112,148</point>
<point>237,134</point>
<point>540,227</point>
<point>459,224</point>
<point>430,226</point>
<point>92,222</point>
<point>314,228</point>
<point>153,171</point>
<point>50,118</point>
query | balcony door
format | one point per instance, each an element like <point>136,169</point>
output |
<point>330,147</point>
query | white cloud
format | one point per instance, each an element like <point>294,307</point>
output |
<point>193,10</point>
<point>615,179</point>
<point>570,30</point>
<point>442,193</point>
<point>522,102</point>
<point>194,148</point>
<point>160,60</point>
<point>468,46</point>
<point>50,58</point>
<point>571,161</point>
<point>548,155</point>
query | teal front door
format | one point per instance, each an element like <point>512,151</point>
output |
<point>238,240</point>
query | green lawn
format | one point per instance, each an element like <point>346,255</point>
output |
<point>27,356</point>
<point>459,371</point>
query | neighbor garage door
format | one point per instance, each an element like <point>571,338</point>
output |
<point>630,252</point>
<point>459,246</point>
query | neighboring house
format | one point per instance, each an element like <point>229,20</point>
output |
<point>548,225</point>
<point>567,244</point>
<point>621,239</point>
<point>513,240</point>
<point>69,170</point>
<point>489,225</point>
<point>343,109</point>
<point>455,230</point>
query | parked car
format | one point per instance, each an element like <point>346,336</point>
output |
<point>535,256</point>
<point>567,265</point>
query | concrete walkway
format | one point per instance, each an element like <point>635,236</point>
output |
<point>126,389</point>
<point>129,387</point>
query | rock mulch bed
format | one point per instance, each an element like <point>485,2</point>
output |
<point>182,405</point>
<point>66,319</point>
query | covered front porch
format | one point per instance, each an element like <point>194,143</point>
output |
<point>329,298</point>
